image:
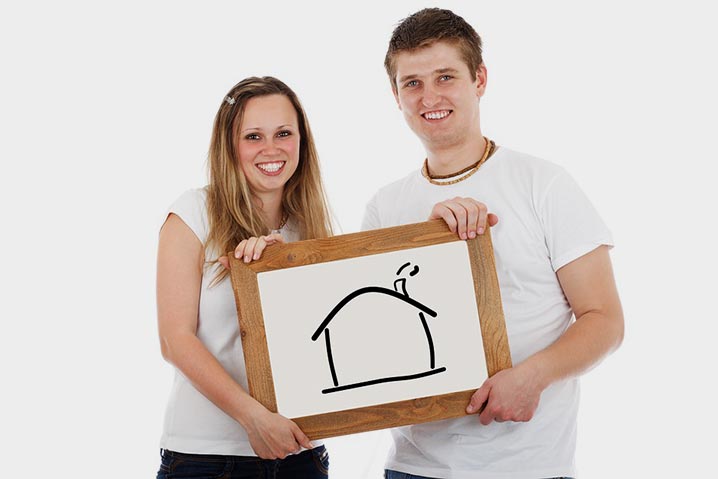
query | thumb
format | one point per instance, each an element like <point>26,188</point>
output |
<point>302,438</point>
<point>224,260</point>
<point>274,238</point>
<point>493,219</point>
<point>478,399</point>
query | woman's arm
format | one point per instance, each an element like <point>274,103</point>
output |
<point>179,277</point>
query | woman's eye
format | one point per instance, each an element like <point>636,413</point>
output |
<point>284,133</point>
<point>252,136</point>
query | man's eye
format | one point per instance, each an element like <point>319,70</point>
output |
<point>411,83</point>
<point>445,77</point>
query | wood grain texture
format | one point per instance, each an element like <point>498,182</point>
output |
<point>488,303</point>
<point>413,411</point>
<point>252,332</point>
<point>353,245</point>
<point>401,413</point>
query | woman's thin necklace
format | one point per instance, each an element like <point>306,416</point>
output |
<point>282,223</point>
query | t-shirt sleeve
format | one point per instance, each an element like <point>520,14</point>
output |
<point>573,226</point>
<point>191,207</point>
<point>371,219</point>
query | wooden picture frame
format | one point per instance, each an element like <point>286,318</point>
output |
<point>375,242</point>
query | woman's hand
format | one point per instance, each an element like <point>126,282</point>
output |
<point>273,436</point>
<point>251,249</point>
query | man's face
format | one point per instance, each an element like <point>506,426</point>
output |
<point>437,95</point>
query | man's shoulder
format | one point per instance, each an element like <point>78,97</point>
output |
<point>397,186</point>
<point>517,159</point>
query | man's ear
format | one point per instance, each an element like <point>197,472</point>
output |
<point>481,79</point>
<point>396,95</point>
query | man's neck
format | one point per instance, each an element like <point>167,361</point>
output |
<point>448,160</point>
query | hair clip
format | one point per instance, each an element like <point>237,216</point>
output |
<point>229,100</point>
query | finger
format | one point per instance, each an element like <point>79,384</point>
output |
<point>224,260</point>
<point>274,238</point>
<point>461,215</point>
<point>239,250</point>
<point>481,223</point>
<point>486,416</point>
<point>440,210</point>
<point>302,438</point>
<point>478,399</point>
<point>473,215</point>
<point>492,219</point>
<point>249,249</point>
<point>259,247</point>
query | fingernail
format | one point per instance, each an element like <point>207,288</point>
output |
<point>246,259</point>
<point>480,230</point>
<point>256,255</point>
<point>472,234</point>
<point>470,409</point>
<point>462,235</point>
<point>236,254</point>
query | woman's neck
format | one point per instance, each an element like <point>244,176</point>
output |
<point>271,207</point>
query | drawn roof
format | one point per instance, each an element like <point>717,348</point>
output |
<point>369,289</point>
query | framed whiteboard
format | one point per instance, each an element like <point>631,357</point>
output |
<point>371,330</point>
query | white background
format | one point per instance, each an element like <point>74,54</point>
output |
<point>106,110</point>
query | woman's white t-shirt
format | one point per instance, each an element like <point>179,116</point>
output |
<point>193,424</point>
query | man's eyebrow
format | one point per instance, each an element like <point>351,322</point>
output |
<point>406,77</point>
<point>437,71</point>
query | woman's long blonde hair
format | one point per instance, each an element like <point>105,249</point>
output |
<point>233,211</point>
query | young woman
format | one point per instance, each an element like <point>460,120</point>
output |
<point>264,187</point>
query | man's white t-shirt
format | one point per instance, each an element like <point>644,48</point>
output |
<point>545,222</point>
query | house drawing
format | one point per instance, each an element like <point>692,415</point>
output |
<point>387,305</point>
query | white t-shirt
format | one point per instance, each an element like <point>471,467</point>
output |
<point>193,424</point>
<point>545,222</point>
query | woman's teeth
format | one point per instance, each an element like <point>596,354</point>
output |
<point>270,167</point>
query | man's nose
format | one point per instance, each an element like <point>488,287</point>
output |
<point>430,97</point>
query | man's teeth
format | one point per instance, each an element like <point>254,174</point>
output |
<point>270,167</point>
<point>436,115</point>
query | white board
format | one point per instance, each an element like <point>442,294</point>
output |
<point>388,341</point>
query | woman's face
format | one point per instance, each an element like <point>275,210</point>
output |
<point>268,143</point>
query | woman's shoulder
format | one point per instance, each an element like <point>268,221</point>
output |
<point>191,207</point>
<point>193,196</point>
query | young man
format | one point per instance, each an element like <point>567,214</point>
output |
<point>552,261</point>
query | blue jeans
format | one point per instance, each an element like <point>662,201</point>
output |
<point>389,474</point>
<point>313,464</point>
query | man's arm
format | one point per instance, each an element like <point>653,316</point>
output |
<point>513,394</point>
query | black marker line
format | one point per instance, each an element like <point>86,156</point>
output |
<point>331,359</point>
<point>428,338</point>
<point>402,267</point>
<point>384,380</point>
<point>370,289</point>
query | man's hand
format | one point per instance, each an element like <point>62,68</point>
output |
<point>464,216</point>
<point>509,395</point>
